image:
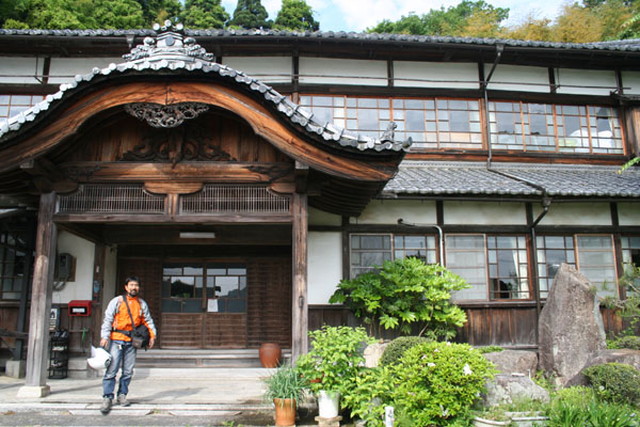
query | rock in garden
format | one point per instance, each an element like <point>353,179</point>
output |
<point>507,388</point>
<point>514,361</point>
<point>373,353</point>
<point>570,326</point>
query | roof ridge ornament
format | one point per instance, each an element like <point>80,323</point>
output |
<point>170,44</point>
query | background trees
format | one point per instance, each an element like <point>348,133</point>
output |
<point>578,22</point>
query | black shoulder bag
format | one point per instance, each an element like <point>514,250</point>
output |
<point>140,334</point>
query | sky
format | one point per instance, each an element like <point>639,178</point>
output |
<point>358,15</point>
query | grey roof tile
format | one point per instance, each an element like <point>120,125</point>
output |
<point>513,179</point>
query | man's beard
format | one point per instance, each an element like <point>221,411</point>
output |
<point>133,293</point>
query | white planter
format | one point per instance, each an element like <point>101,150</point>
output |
<point>328,404</point>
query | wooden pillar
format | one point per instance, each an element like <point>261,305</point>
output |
<point>41,291</point>
<point>299,312</point>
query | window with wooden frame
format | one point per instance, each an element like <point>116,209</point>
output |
<point>495,266</point>
<point>12,262</point>
<point>370,250</point>
<point>555,128</point>
<point>12,105</point>
<point>593,255</point>
<point>630,250</point>
<point>433,123</point>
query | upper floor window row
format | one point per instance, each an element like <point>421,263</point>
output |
<point>12,105</point>
<point>439,123</point>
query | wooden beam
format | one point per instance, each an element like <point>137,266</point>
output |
<point>41,292</point>
<point>300,315</point>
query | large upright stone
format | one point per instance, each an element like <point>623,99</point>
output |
<point>570,326</point>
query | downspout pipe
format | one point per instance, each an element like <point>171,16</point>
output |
<point>485,83</point>
<point>546,202</point>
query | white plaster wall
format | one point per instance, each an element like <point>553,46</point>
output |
<point>518,78</point>
<point>343,71</point>
<point>485,213</point>
<point>576,214</point>
<point>388,212</point>
<point>631,82</point>
<point>83,251</point>
<point>266,69</point>
<point>629,213</point>
<point>64,69</point>
<point>574,81</point>
<point>318,217</point>
<point>325,265</point>
<point>435,74</point>
<point>20,70</point>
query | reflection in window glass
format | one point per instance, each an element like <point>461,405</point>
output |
<point>187,288</point>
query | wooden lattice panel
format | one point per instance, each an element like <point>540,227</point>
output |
<point>218,198</point>
<point>111,199</point>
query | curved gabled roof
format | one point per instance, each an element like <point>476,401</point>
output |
<point>170,51</point>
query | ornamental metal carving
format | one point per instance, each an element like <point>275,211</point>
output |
<point>165,116</point>
<point>170,44</point>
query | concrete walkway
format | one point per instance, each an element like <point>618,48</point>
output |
<point>234,394</point>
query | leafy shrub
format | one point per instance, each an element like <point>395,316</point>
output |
<point>615,382</point>
<point>436,383</point>
<point>372,387</point>
<point>335,358</point>
<point>579,406</point>
<point>404,293</point>
<point>490,349</point>
<point>630,341</point>
<point>396,348</point>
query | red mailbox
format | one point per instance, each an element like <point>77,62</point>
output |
<point>80,308</point>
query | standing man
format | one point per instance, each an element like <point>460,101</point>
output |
<point>115,335</point>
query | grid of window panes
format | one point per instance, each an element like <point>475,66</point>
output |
<point>11,105</point>
<point>197,287</point>
<point>431,123</point>
<point>421,247</point>
<point>508,267</point>
<point>466,256</point>
<point>438,123</point>
<point>630,250</point>
<point>368,251</point>
<point>592,255</point>
<point>546,127</point>
<point>12,256</point>
<point>551,252</point>
<point>596,260</point>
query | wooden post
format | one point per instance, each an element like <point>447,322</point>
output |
<point>299,312</point>
<point>41,292</point>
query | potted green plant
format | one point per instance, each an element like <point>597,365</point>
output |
<point>332,364</point>
<point>284,387</point>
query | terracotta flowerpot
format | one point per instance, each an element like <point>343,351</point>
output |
<point>270,354</point>
<point>285,412</point>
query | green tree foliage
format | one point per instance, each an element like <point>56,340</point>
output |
<point>204,14</point>
<point>531,29</point>
<point>159,10</point>
<point>76,14</point>
<point>296,15</point>
<point>250,14</point>
<point>457,20</point>
<point>403,293</point>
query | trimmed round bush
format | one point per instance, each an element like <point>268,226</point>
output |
<point>631,341</point>
<point>396,348</point>
<point>436,383</point>
<point>615,382</point>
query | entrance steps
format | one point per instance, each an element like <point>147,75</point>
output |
<point>201,358</point>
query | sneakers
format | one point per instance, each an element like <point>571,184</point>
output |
<point>106,405</point>
<point>122,400</point>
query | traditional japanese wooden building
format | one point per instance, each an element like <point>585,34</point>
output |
<point>241,175</point>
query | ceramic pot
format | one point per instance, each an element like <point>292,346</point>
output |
<point>270,354</point>
<point>285,412</point>
<point>328,403</point>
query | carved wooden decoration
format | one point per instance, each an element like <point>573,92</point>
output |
<point>165,116</point>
